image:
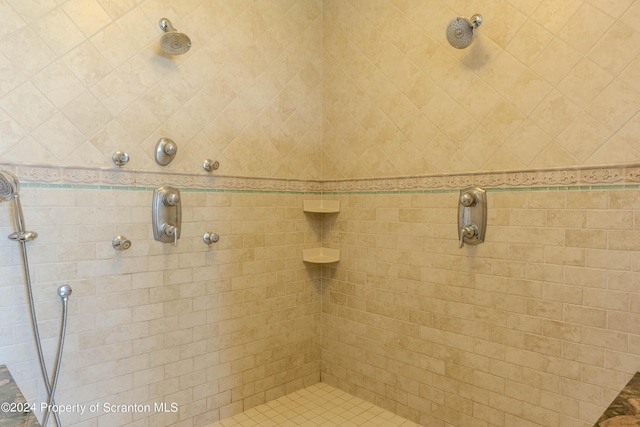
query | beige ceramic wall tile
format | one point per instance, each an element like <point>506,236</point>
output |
<point>274,73</point>
<point>583,137</point>
<point>569,315</point>
<point>523,52</point>
<point>586,81</point>
<point>159,311</point>
<point>112,50</point>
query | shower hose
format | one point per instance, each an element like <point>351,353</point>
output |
<point>49,384</point>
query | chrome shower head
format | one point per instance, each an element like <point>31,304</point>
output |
<point>173,42</point>
<point>461,31</point>
<point>9,186</point>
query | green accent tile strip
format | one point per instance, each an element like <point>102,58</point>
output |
<point>335,193</point>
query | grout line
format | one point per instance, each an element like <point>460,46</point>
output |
<point>307,407</point>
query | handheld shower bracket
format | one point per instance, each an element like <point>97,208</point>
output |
<point>10,191</point>
<point>23,236</point>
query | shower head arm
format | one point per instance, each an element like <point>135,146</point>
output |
<point>476,20</point>
<point>166,26</point>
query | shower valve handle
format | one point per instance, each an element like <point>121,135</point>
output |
<point>170,148</point>
<point>468,199</point>
<point>472,216</point>
<point>171,230</point>
<point>171,199</point>
<point>468,232</point>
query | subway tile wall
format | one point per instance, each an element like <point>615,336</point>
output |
<point>538,326</point>
<point>213,329</point>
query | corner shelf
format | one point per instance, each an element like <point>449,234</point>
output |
<point>321,206</point>
<point>321,255</point>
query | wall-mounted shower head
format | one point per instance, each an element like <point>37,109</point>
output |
<point>461,31</point>
<point>173,42</point>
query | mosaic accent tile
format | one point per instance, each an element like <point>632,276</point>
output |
<point>319,405</point>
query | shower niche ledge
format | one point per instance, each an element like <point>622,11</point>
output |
<point>321,206</point>
<point>321,255</point>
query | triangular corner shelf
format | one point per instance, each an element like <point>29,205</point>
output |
<point>321,206</point>
<point>321,255</point>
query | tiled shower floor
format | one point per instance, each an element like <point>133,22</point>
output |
<point>317,405</point>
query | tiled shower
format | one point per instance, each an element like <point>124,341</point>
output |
<point>359,101</point>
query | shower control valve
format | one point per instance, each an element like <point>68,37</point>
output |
<point>472,216</point>
<point>166,214</point>
<point>166,150</point>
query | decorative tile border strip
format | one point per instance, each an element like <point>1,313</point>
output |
<point>576,177</point>
<point>39,174</point>
<point>568,177</point>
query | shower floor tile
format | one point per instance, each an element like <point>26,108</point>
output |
<point>320,405</point>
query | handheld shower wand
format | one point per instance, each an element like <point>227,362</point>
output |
<point>9,191</point>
